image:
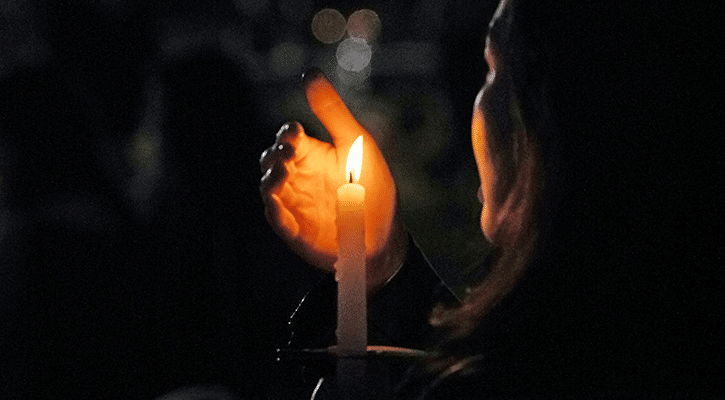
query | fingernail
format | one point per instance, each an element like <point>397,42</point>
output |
<point>266,175</point>
<point>282,130</point>
<point>310,75</point>
<point>263,156</point>
<point>290,128</point>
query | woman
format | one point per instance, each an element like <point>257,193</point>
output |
<point>578,191</point>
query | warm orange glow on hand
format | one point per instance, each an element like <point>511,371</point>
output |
<point>302,175</point>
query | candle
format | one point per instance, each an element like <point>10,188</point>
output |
<point>350,266</point>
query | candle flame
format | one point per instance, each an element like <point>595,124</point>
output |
<point>354,160</point>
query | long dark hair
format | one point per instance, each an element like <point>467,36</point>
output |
<point>517,162</point>
<point>591,246</point>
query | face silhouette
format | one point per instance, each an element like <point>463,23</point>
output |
<point>492,127</point>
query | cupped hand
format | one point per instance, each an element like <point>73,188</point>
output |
<point>300,182</point>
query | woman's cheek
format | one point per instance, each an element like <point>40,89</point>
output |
<point>483,162</point>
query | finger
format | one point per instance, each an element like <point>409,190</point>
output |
<point>278,153</point>
<point>327,105</point>
<point>280,218</point>
<point>272,179</point>
<point>289,132</point>
<point>284,146</point>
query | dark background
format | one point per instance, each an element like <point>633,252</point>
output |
<point>135,254</point>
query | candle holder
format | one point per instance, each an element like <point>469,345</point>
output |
<point>356,376</point>
<point>373,352</point>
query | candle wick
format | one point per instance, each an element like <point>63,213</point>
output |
<point>350,176</point>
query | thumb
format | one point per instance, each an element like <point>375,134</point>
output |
<point>329,108</point>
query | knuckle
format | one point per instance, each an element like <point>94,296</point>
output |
<point>286,151</point>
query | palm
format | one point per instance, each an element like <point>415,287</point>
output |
<point>302,198</point>
<point>302,176</point>
<point>308,196</point>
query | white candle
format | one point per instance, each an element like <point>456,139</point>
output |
<point>352,329</point>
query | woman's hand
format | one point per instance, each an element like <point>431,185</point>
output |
<point>300,182</point>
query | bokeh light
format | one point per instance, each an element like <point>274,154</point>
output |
<point>353,54</point>
<point>364,24</point>
<point>328,26</point>
<point>143,151</point>
<point>144,154</point>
